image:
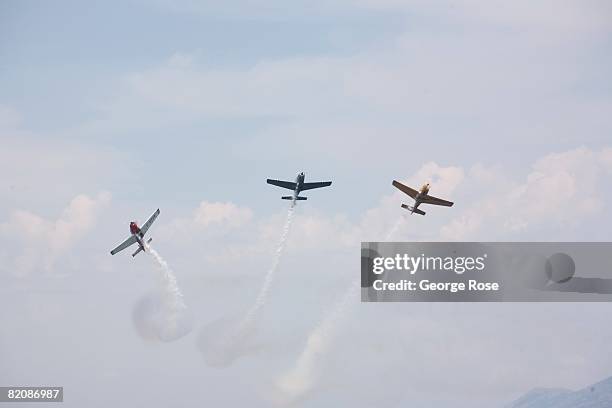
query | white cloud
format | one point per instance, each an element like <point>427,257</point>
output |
<point>38,242</point>
<point>217,213</point>
<point>560,191</point>
<point>214,225</point>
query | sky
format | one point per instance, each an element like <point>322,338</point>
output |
<point>110,110</point>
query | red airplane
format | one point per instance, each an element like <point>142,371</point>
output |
<point>137,236</point>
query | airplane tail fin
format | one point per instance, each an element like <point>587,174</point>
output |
<point>414,210</point>
<point>291,198</point>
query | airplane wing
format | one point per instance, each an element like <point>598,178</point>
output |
<point>310,186</point>
<point>411,192</point>
<point>436,201</point>
<point>284,184</point>
<point>131,240</point>
<point>149,222</point>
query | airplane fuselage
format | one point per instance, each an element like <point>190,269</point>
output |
<point>135,231</point>
<point>419,197</point>
<point>140,242</point>
<point>299,184</point>
<point>417,202</point>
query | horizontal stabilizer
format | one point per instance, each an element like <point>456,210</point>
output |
<point>414,210</point>
<point>137,251</point>
<point>297,198</point>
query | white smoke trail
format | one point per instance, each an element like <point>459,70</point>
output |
<point>265,287</point>
<point>224,341</point>
<point>164,314</point>
<point>294,384</point>
<point>172,294</point>
<point>394,228</point>
<point>301,379</point>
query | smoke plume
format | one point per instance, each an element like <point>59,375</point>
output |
<point>302,378</point>
<point>162,315</point>
<point>394,228</point>
<point>224,341</point>
<point>267,282</point>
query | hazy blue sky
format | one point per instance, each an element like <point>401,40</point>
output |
<point>109,110</point>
